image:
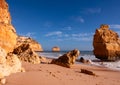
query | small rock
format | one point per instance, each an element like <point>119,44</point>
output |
<point>84,60</point>
<point>87,72</point>
<point>22,69</point>
<point>2,81</point>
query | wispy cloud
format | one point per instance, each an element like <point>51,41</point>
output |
<point>115,26</point>
<point>60,36</point>
<point>78,19</point>
<point>91,10</point>
<point>82,38</point>
<point>56,33</point>
<point>81,34</point>
<point>48,24</point>
<point>67,28</point>
<point>29,34</point>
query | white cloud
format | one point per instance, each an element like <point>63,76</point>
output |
<point>56,33</point>
<point>67,28</point>
<point>94,10</point>
<point>60,36</point>
<point>91,10</point>
<point>80,19</point>
<point>48,24</point>
<point>82,38</point>
<point>115,26</point>
<point>82,34</point>
<point>29,34</point>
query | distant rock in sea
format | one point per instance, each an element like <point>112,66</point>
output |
<point>67,59</point>
<point>106,44</point>
<point>7,32</point>
<point>27,40</point>
<point>55,49</point>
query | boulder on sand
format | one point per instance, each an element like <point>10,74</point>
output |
<point>67,59</point>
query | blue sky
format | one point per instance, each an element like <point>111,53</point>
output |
<point>68,24</point>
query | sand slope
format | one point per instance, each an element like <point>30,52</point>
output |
<point>50,74</point>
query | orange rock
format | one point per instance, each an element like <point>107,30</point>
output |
<point>55,49</point>
<point>9,63</point>
<point>27,40</point>
<point>25,53</point>
<point>67,59</point>
<point>7,32</point>
<point>106,44</point>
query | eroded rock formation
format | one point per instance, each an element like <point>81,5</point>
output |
<point>25,53</point>
<point>27,40</point>
<point>106,44</point>
<point>67,59</point>
<point>7,32</point>
<point>9,63</point>
<point>56,49</point>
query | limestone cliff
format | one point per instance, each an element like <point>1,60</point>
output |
<point>7,32</point>
<point>106,44</point>
<point>9,63</point>
<point>25,53</point>
<point>34,45</point>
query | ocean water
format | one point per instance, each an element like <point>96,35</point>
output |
<point>86,55</point>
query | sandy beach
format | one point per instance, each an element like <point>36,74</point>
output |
<point>51,74</point>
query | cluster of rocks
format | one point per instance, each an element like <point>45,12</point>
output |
<point>14,48</point>
<point>106,44</point>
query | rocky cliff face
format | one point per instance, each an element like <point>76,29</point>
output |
<point>106,44</point>
<point>7,32</point>
<point>9,63</point>
<point>34,45</point>
<point>26,53</point>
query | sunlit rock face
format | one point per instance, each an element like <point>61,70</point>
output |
<point>7,32</point>
<point>106,44</point>
<point>68,59</point>
<point>9,63</point>
<point>27,40</point>
<point>55,49</point>
<point>25,53</point>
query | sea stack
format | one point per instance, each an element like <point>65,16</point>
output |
<point>7,32</point>
<point>56,49</point>
<point>106,44</point>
